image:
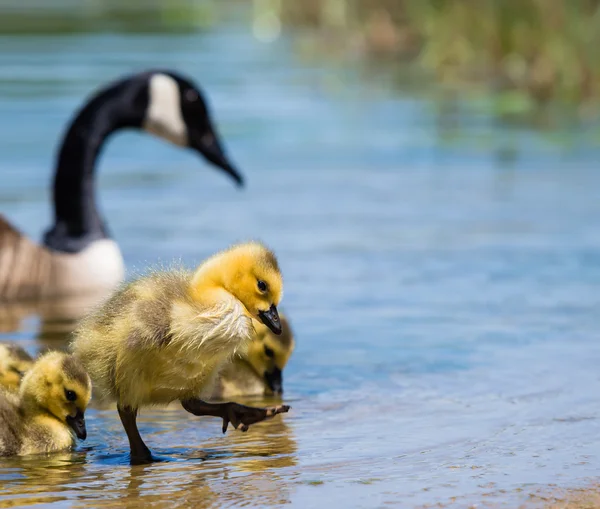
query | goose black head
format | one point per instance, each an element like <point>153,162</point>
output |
<point>176,110</point>
<point>160,102</point>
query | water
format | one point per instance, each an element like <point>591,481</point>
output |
<point>441,279</point>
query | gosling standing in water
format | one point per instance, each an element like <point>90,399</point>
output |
<point>258,371</point>
<point>164,337</point>
<point>14,362</point>
<point>48,412</point>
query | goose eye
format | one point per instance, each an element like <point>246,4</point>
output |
<point>262,286</point>
<point>191,95</point>
<point>207,139</point>
<point>70,395</point>
<point>269,353</point>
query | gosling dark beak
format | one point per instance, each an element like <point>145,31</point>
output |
<point>77,424</point>
<point>209,146</point>
<point>271,319</point>
<point>275,380</point>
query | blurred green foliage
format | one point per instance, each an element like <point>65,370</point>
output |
<point>27,17</point>
<point>527,52</point>
<point>534,50</point>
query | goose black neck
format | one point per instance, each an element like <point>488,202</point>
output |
<point>77,221</point>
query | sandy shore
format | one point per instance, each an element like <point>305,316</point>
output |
<point>543,497</point>
<point>565,498</point>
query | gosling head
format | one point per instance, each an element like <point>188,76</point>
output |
<point>58,384</point>
<point>268,354</point>
<point>14,362</point>
<point>251,274</point>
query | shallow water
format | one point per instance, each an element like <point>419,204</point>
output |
<point>444,296</point>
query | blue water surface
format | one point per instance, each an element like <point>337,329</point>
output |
<point>444,296</point>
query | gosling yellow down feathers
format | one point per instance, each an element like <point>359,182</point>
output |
<point>14,362</point>
<point>48,412</point>
<point>164,337</point>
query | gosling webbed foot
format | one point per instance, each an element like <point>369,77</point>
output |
<point>240,416</point>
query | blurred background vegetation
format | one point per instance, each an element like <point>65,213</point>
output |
<point>527,55</point>
<point>542,49</point>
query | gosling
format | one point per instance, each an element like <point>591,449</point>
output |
<point>48,412</point>
<point>164,337</point>
<point>14,362</point>
<point>259,370</point>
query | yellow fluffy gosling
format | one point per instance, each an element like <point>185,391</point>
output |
<point>164,337</point>
<point>14,362</point>
<point>258,370</point>
<point>48,411</point>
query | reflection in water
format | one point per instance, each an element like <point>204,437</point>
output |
<point>58,317</point>
<point>34,476</point>
<point>241,468</point>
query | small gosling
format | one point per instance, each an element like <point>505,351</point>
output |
<point>48,411</point>
<point>14,362</point>
<point>257,371</point>
<point>164,337</point>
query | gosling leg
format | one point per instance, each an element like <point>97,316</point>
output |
<point>140,453</point>
<point>240,416</point>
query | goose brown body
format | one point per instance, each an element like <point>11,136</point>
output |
<point>30,271</point>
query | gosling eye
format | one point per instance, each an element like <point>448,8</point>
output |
<point>70,395</point>
<point>17,371</point>
<point>269,353</point>
<point>262,286</point>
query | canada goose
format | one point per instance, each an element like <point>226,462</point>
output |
<point>14,362</point>
<point>77,255</point>
<point>48,412</point>
<point>257,371</point>
<point>164,337</point>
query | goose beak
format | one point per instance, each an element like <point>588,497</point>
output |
<point>271,319</point>
<point>210,147</point>
<point>77,424</point>
<point>274,380</point>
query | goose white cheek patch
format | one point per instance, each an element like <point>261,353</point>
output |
<point>163,117</point>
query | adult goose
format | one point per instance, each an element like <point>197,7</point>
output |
<point>77,255</point>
